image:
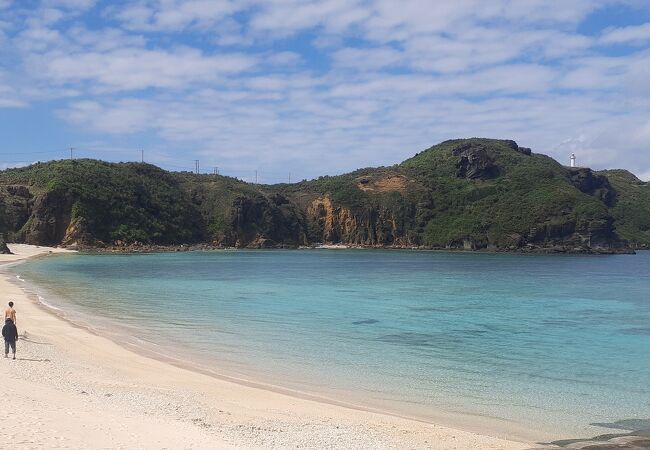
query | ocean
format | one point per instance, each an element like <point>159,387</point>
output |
<point>557,345</point>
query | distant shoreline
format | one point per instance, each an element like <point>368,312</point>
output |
<point>528,250</point>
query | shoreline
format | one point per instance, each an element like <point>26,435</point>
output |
<point>249,407</point>
<point>527,250</point>
<point>519,251</point>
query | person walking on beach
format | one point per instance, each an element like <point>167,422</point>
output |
<point>10,313</point>
<point>10,333</point>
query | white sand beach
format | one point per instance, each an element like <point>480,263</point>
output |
<point>70,388</point>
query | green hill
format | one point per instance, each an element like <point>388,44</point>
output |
<point>631,211</point>
<point>469,193</point>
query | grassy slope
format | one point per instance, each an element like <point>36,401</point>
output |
<point>125,201</point>
<point>532,190</point>
<point>632,209</point>
<point>213,196</point>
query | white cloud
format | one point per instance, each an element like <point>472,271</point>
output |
<point>101,40</point>
<point>284,59</point>
<point>370,82</point>
<point>286,17</point>
<point>8,102</point>
<point>368,58</point>
<point>323,133</point>
<point>127,116</point>
<point>136,69</point>
<point>175,15</point>
<point>638,34</point>
<point>406,19</point>
<point>625,74</point>
<point>78,5</point>
<point>9,98</point>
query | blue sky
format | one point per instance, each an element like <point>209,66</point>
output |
<point>321,87</point>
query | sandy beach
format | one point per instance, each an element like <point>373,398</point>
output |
<point>70,388</point>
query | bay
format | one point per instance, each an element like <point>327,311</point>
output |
<point>552,344</point>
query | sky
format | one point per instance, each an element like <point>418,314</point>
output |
<point>294,89</point>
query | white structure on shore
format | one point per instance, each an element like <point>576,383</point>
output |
<point>573,160</point>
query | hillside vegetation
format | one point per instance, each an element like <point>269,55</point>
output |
<point>468,193</point>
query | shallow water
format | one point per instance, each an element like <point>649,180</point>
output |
<point>553,343</point>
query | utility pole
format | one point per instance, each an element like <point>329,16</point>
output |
<point>216,170</point>
<point>196,165</point>
<point>71,148</point>
<point>289,177</point>
<point>256,177</point>
<point>141,155</point>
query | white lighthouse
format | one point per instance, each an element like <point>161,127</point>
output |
<point>573,159</point>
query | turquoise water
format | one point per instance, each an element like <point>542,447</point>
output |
<point>551,343</point>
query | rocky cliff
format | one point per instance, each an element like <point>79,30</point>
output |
<point>460,194</point>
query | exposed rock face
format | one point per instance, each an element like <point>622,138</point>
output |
<point>262,222</point>
<point>599,234</point>
<point>585,234</point>
<point>523,150</point>
<point>475,162</point>
<point>593,184</point>
<point>383,184</point>
<point>16,207</point>
<point>49,220</point>
<point>333,224</point>
<point>77,235</point>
